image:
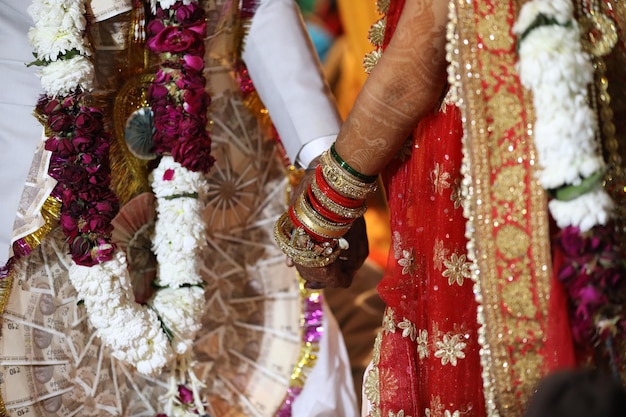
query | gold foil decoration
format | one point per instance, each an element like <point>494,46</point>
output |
<point>50,211</point>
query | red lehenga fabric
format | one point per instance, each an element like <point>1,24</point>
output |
<point>429,363</point>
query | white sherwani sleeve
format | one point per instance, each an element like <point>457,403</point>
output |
<point>287,75</point>
<point>20,133</point>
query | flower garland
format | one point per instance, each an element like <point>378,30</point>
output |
<point>147,337</point>
<point>555,68</point>
<point>78,140</point>
<point>177,96</point>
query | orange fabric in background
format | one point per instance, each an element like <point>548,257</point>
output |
<point>344,70</point>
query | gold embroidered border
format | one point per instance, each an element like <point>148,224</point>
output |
<point>506,207</point>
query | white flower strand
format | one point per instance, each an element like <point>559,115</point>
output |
<point>178,240</point>
<point>132,331</point>
<point>586,211</point>
<point>555,68</point>
<point>59,28</point>
<point>61,77</point>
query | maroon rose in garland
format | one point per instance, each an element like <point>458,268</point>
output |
<point>79,162</point>
<point>594,277</point>
<point>177,96</point>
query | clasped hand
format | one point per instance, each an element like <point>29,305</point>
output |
<point>340,273</point>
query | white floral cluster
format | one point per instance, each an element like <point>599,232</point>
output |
<point>59,28</point>
<point>132,331</point>
<point>177,242</point>
<point>553,65</point>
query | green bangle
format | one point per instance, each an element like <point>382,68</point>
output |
<point>352,171</point>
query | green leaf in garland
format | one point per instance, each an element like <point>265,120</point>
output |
<point>570,192</point>
<point>540,20</point>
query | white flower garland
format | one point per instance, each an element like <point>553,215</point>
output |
<point>59,28</point>
<point>177,243</point>
<point>133,332</point>
<point>555,68</point>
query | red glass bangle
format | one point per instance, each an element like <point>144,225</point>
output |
<point>319,207</point>
<point>298,224</point>
<point>334,195</point>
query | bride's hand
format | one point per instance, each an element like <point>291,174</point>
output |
<point>340,272</point>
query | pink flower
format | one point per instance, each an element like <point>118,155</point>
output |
<point>168,123</point>
<point>80,248</point>
<point>195,102</point>
<point>62,146</point>
<point>68,223</point>
<point>105,207</point>
<point>103,251</point>
<point>82,143</point>
<point>48,105</point>
<point>175,39</point>
<point>199,28</point>
<point>168,175</point>
<point>59,122</point>
<point>188,14</point>
<point>194,155</point>
<point>572,241</point>
<point>73,174</point>
<point>191,80</point>
<point>164,76</point>
<point>185,394</point>
<point>88,121</point>
<point>98,224</point>
<point>154,27</point>
<point>194,62</point>
<point>191,128</point>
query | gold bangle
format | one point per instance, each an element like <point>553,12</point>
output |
<point>317,223</point>
<point>331,205</point>
<point>342,181</point>
<point>311,255</point>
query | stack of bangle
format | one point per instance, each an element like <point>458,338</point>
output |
<point>311,231</point>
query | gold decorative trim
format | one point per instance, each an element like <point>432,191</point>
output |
<point>371,385</point>
<point>512,278</point>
